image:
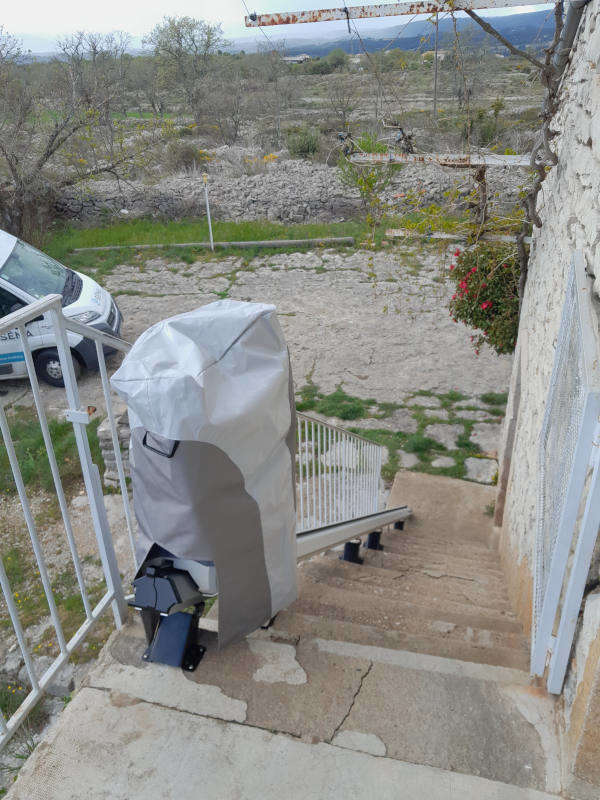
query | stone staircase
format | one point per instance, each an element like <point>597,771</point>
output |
<point>401,678</point>
<point>437,587</point>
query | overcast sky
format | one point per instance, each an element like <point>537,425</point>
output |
<point>48,20</point>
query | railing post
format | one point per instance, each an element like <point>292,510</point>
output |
<point>91,476</point>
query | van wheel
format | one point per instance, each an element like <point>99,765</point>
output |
<point>47,366</point>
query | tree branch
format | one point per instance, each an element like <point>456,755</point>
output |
<point>493,32</point>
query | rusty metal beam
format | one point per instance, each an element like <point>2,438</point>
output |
<point>387,10</point>
<point>458,160</point>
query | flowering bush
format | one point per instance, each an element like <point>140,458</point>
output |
<point>487,294</point>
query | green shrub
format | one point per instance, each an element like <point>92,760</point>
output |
<point>184,155</point>
<point>487,294</point>
<point>368,142</point>
<point>303,142</point>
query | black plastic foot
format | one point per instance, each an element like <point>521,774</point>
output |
<point>192,657</point>
<point>351,550</point>
<point>373,541</point>
<point>399,526</point>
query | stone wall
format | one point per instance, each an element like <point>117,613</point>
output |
<point>111,476</point>
<point>286,191</point>
<point>570,209</point>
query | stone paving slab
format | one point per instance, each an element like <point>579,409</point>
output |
<point>482,470</point>
<point>487,435</point>
<point>445,434</point>
<point>112,746</point>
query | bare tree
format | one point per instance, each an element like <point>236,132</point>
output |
<point>343,97</point>
<point>229,102</point>
<point>184,48</point>
<point>276,86</point>
<point>60,125</point>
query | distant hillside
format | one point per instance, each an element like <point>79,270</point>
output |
<point>523,30</point>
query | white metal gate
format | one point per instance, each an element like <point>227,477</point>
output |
<point>568,513</point>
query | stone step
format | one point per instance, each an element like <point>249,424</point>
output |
<point>423,558</point>
<point>408,539</point>
<point>375,610</point>
<point>326,625</point>
<point>436,567</point>
<point>442,586</point>
<point>364,579</point>
<point>445,507</point>
<point>432,560</point>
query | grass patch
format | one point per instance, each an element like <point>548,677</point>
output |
<point>146,231</point>
<point>99,264</point>
<point>336,404</point>
<point>419,444</point>
<point>32,457</point>
<point>494,398</point>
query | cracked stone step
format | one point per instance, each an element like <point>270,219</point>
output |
<point>381,612</point>
<point>445,585</point>
<point>393,560</point>
<point>398,571</point>
<point>398,567</point>
<point>429,608</point>
<point>327,626</point>
<point>405,541</point>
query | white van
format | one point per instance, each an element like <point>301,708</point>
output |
<point>27,275</point>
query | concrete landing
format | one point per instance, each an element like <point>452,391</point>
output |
<point>111,746</point>
<point>276,716</point>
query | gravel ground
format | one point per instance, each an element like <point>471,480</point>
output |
<point>375,322</point>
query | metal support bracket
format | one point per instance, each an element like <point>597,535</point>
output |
<point>77,415</point>
<point>351,550</point>
<point>373,541</point>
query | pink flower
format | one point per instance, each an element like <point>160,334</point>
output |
<point>456,253</point>
<point>452,267</point>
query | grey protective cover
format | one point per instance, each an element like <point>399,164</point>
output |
<point>211,393</point>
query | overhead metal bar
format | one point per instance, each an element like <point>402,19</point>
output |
<point>386,10</point>
<point>458,160</point>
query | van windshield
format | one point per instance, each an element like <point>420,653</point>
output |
<point>33,272</point>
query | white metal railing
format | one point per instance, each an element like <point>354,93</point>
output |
<point>568,513</point>
<point>338,474</point>
<point>50,307</point>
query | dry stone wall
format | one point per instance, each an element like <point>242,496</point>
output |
<point>111,476</point>
<point>286,191</point>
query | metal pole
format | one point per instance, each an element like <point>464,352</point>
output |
<point>435,74</point>
<point>210,233</point>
